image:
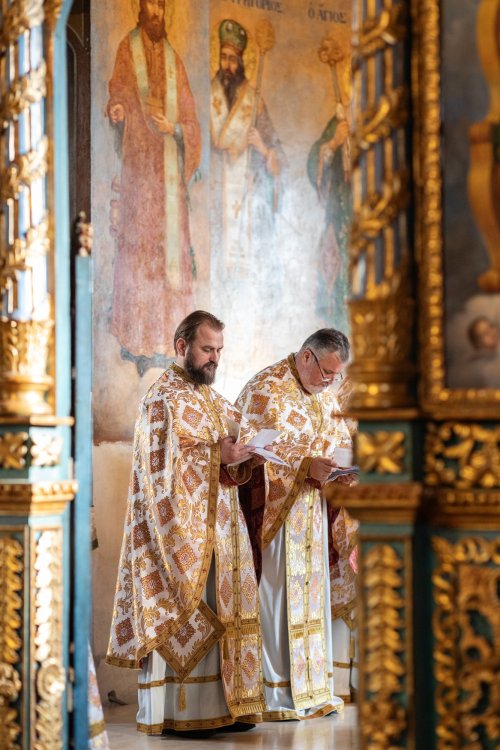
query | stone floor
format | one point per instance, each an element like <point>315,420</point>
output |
<point>336,732</point>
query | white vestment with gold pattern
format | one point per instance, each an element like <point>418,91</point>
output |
<point>183,517</point>
<point>298,593</point>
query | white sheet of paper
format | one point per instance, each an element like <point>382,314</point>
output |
<point>263,438</point>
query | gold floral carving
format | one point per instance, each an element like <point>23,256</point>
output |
<point>381,306</point>
<point>384,719</point>
<point>382,452</point>
<point>27,90</point>
<point>46,449</point>
<point>18,17</point>
<point>466,628</point>
<point>437,398</point>
<point>49,674</point>
<point>24,347</point>
<point>13,449</point>
<point>24,170</point>
<point>11,585</point>
<point>19,253</point>
<point>463,455</point>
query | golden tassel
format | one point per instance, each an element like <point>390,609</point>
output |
<point>225,649</point>
<point>181,699</point>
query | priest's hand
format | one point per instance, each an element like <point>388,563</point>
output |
<point>259,460</point>
<point>347,479</point>
<point>231,452</point>
<point>321,468</point>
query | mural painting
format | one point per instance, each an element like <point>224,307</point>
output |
<point>221,180</point>
<point>158,139</point>
<point>329,169</point>
<point>472,193</point>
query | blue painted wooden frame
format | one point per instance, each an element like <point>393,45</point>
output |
<point>78,538</point>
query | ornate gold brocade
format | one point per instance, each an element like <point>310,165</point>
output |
<point>309,425</point>
<point>466,629</point>
<point>179,514</point>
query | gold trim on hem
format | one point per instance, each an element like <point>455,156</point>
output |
<point>248,708</point>
<point>174,680</point>
<point>294,716</point>
<point>284,683</point>
<point>97,728</point>
<point>201,651</point>
<point>185,725</point>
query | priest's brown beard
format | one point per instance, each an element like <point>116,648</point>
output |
<point>231,82</point>
<point>154,28</point>
<point>201,375</point>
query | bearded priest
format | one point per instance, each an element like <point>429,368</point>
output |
<point>186,608</point>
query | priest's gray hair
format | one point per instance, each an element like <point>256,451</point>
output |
<point>328,340</point>
<point>187,328</point>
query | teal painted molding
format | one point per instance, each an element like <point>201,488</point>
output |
<point>62,294</point>
<point>82,584</point>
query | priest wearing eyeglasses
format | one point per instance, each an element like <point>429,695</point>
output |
<point>303,547</point>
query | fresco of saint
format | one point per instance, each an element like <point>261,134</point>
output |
<point>247,158</point>
<point>152,108</point>
<point>329,170</point>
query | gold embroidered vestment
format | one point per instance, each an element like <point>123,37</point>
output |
<point>179,515</point>
<point>310,426</point>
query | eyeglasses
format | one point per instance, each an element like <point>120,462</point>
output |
<point>334,377</point>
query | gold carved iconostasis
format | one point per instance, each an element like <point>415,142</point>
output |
<point>242,207</point>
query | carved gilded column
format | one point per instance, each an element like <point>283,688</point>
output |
<point>381,305</point>
<point>36,485</point>
<point>26,322</point>
<point>382,309</point>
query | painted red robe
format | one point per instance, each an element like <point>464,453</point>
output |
<point>147,305</point>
